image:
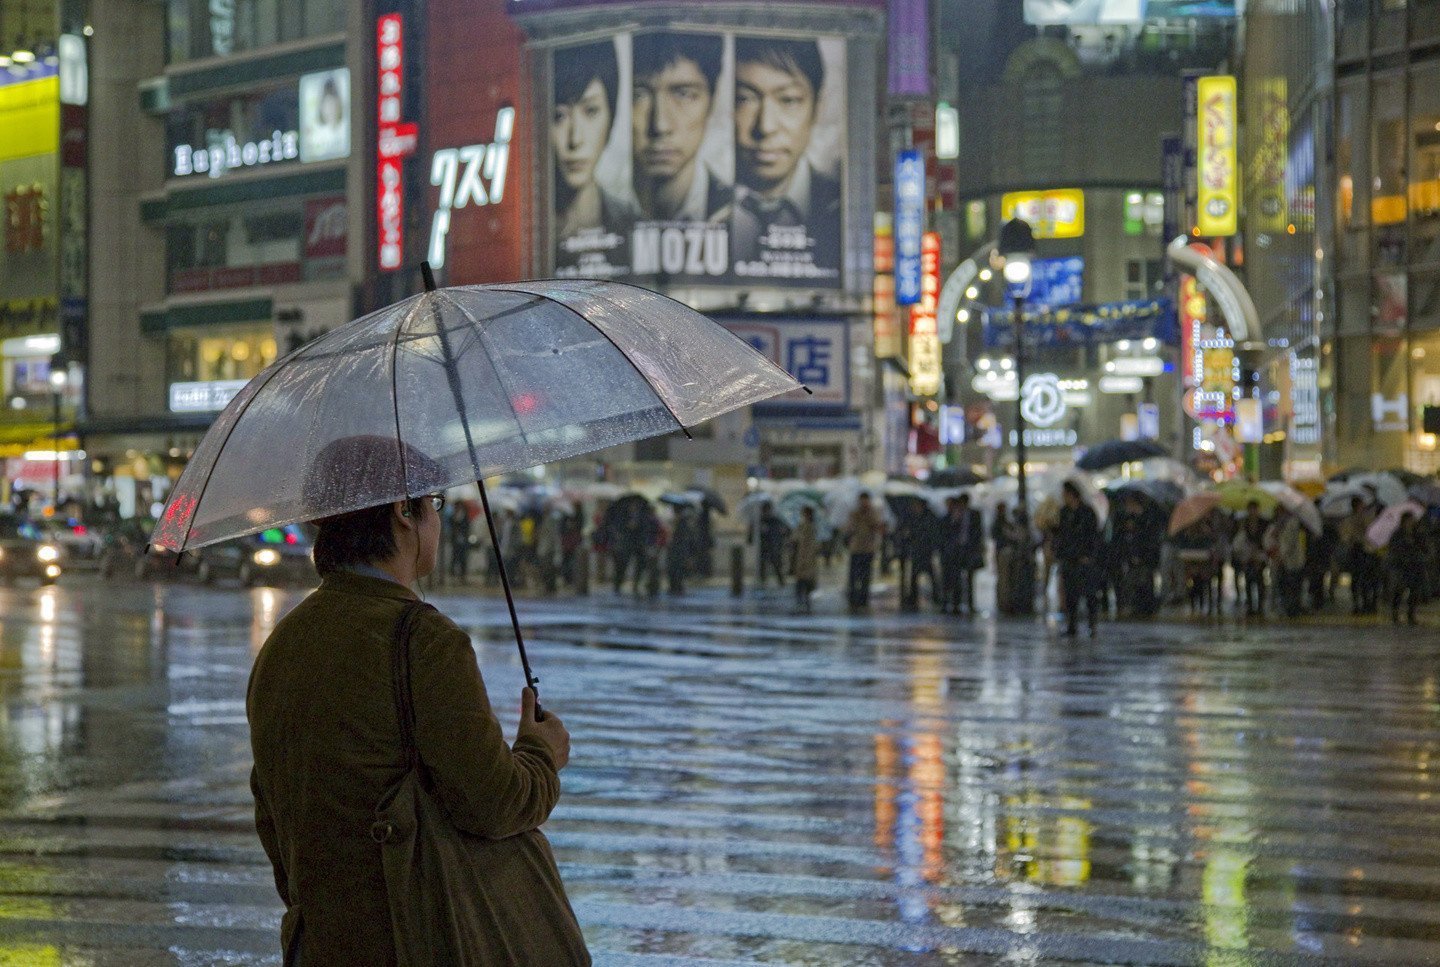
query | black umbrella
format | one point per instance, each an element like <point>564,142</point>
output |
<point>1164,493</point>
<point>954,477</point>
<point>1112,453</point>
<point>710,499</point>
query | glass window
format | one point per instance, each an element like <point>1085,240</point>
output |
<point>1354,302</point>
<point>1352,157</point>
<point>220,353</point>
<point>1424,191</point>
<point>286,243</point>
<point>1425,302</point>
<point>1352,28</point>
<point>1388,30</point>
<point>1424,20</point>
<point>1389,205</point>
<point>219,28</point>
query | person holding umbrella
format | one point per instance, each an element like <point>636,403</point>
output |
<point>1405,557</point>
<point>864,530</point>
<point>962,552</point>
<point>1077,547</point>
<point>804,558</point>
<point>328,745</point>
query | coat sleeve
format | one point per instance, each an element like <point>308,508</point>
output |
<point>265,826</point>
<point>486,787</point>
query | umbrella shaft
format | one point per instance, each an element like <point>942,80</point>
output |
<point>530,678</point>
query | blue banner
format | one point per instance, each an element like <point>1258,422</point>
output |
<point>909,225</point>
<point>1086,325</point>
<point>1057,282</point>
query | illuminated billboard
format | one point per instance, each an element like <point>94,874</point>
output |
<point>698,158</point>
<point>1217,198</point>
<point>1054,213</point>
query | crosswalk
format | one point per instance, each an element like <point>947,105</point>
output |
<point>749,787</point>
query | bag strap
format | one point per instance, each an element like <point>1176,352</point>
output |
<point>400,679</point>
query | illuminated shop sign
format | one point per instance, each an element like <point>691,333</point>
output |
<point>909,225</point>
<point>394,142</point>
<point>228,154</point>
<point>208,397</point>
<point>1056,213</point>
<point>1217,199</point>
<point>473,175</point>
<point>924,327</point>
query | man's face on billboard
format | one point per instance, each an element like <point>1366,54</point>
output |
<point>774,113</point>
<point>578,133</point>
<point>670,112</point>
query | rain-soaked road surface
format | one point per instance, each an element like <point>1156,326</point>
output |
<point>751,788</point>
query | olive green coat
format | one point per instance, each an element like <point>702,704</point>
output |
<point>327,747</point>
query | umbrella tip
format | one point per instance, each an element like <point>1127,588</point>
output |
<point>808,390</point>
<point>428,276</point>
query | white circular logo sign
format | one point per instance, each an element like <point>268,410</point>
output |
<point>1042,402</point>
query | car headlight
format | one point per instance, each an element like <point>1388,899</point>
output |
<point>48,553</point>
<point>53,571</point>
<point>266,557</point>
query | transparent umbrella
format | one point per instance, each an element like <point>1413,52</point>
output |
<point>467,383</point>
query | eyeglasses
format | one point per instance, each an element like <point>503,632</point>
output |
<point>437,501</point>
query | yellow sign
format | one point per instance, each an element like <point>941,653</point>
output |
<point>29,118</point>
<point>1217,202</point>
<point>1056,213</point>
<point>1267,167</point>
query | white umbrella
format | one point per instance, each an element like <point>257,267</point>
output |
<point>1297,503</point>
<point>1388,488</point>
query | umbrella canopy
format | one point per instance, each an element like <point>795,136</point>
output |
<point>1388,488</point>
<point>1112,453</point>
<point>477,380</point>
<point>1237,495</point>
<point>1163,493</point>
<point>1385,526</point>
<point>952,477</point>
<point>1427,493</point>
<point>681,500</point>
<point>1297,503</point>
<point>1338,498</point>
<point>1192,510</point>
<point>792,505</point>
<point>710,499</point>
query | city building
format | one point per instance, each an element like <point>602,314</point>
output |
<point>44,90</point>
<point>1287,99</point>
<point>1384,336</point>
<point>1061,122</point>
<point>226,164</point>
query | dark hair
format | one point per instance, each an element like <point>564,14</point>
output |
<point>652,53</point>
<point>359,537</point>
<point>1071,488</point>
<point>576,67</point>
<point>798,57</point>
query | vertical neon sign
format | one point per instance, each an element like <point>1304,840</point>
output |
<point>396,140</point>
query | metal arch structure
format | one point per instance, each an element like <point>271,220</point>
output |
<point>952,294</point>
<point>1230,293</point>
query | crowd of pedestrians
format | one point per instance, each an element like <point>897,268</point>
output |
<point>1268,561</point>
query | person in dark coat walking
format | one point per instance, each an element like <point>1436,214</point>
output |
<point>773,537</point>
<point>681,552</point>
<point>962,553</point>
<point>1077,548</point>
<point>1405,557</point>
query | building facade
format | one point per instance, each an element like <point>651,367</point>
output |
<point>1385,338</point>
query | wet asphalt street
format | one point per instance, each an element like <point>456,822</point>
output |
<point>748,787</point>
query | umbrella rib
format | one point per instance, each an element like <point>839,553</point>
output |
<point>638,371</point>
<point>499,379</point>
<point>395,400</point>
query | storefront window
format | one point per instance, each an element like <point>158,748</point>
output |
<point>1424,20</point>
<point>1389,206</point>
<point>301,241</point>
<point>219,28</point>
<point>1425,164</point>
<point>221,353</point>
<point>1424,302</point>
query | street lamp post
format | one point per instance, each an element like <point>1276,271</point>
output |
<point>1014,249</point>
<point>57,386</point>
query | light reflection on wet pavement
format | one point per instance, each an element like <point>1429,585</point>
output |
<point>752,788</point>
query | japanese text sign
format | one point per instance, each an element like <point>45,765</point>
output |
<point>1217,202</point>
<point>395,140</point>
<point>909,225</point>
<point>924,330</point>
<point>815,351</point>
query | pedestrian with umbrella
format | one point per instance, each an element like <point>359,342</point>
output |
<point>1362,564</point>
<point>1248,558</point>
<point>805,558</point>
<point>864,531</point>
<point>1405,558</point>
<point>962,553</point>
<point>1077,548</point>
<point>400,825</point>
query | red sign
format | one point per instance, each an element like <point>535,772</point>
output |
<point>326,223</point>
<point>922,313</point>
<point>395,140</point>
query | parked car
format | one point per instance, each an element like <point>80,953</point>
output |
<point>80,545</point>
<point>274,556</point>
<point>24,551</point>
